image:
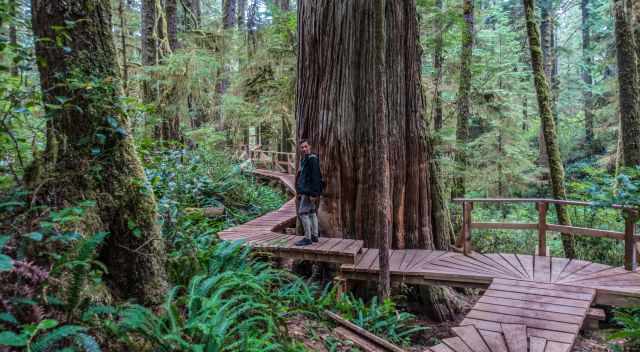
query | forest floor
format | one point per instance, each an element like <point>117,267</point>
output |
<point>318,336</point>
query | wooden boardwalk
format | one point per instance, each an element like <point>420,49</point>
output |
<point>530,303</point>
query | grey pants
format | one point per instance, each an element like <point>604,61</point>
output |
<point>308,217</point>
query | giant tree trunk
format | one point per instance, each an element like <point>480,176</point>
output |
<point>96,156</point>
<point>543,92</point>
<point>628,83</point>
<point>335,110</point>
<point>464,99</point>
<point>587,79</point>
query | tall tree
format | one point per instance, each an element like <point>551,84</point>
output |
<point>283,5</point>
<point>628,82</point>
<point>124,32</point>
<point>587,79</point>
<point>438,59</point>
<point>94,153</point>
<point>252,23</point>
<point>543,92</point>
<point>464,97</point>
<point>336,63</point>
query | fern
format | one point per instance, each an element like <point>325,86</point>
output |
<point>80,267</point>
<point>52,337</point>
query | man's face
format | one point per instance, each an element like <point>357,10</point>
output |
<point>305,148</point>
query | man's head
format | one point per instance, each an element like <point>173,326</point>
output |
<point>305,147</point>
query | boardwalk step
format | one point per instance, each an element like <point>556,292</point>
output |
<point>513,338</point>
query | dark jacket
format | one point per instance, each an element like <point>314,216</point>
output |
<point>309,180</point>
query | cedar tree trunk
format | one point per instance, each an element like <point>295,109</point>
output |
<point>336,111</point>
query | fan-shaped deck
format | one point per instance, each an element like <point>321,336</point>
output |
<point>531,303</point>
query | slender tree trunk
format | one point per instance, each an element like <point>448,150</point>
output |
<point>336,111</point>
<point>13,41</point>
<point>381,155</point>
<point>546,32</point>
<point>228,14</point>
<point>543,92</point>
<point>192,14</point>
<point>149,46</point>
<point>437,66</point>
<point>122,7</point>
<point>587,61</point>
<point>464,98</point>
<point>252,40</point>
<point>242,10</point>
<point>628,82</point>
<point>171,13</point>
<point>283,5</point>
<point>97,156</point>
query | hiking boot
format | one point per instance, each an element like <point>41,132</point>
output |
<point>314,238</point>
<point>303,242</point>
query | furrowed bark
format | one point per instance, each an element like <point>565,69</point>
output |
<point>336,111</point>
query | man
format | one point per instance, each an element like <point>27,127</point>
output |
<point>308,187</point>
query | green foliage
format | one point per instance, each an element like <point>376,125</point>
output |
<point>238,304</point>
<point>381,319</point>
<point>629,319</point>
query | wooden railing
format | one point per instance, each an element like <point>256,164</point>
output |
<point>270,160</point>
<point>628,236</point>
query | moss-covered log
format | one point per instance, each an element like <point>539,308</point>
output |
<point>91,154</point>
<point>543,92</point>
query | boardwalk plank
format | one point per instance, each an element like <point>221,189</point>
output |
<point>530,313</point>
<point>541,285</point>
<point>546,307</point>
<point>529,322</point>
<point>516,336</point>
<point>553,346</point>
<point>527,264</point>
<point>515,263</point>
<point>542,268</point>
<point>537,344</point>
<point>472,338</point>
<point>537,298</point>
<point>456,344</point>
<point>494,340</point>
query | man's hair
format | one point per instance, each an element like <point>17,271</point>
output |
<point>303,141</point>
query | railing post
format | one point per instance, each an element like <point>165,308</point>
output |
<point>631,216</point>
<point>466,227</point>
<point>542,229</point>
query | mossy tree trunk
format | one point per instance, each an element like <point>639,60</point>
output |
<point>192,14</point>
<point>543,92</point>
<point>464,98</point>
<point>587,78</point>
<point>336,111</point>
<point>96,158</point>
<point>628,82</point>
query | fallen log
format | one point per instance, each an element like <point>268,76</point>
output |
<point>376,340</point>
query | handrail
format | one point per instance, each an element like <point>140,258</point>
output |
<point>269,159</point>
<point>628,236</point>
<point>537,200</point>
